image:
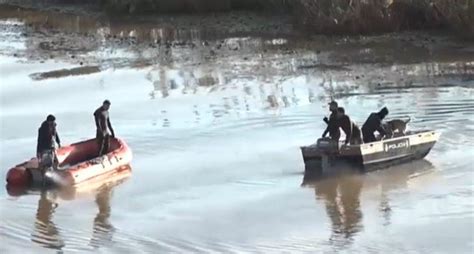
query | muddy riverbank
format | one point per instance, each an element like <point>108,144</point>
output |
<point>90,42</point>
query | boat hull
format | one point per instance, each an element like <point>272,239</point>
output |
<point>83,189</point>
<point>78,163</point>
<point>379,160</point>
<point>371,156</point>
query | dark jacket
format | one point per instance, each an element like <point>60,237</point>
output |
<point>373,123</point>
<point>46,136</point>
<point>333,126</point>
<point>102,121</point>
<point>352,131</point>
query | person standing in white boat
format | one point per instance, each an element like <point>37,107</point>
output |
<point>332,127</point>
<point>104,127</point>
<point>352,131</point>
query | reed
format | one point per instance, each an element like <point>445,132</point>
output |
<point>369,16</point>
<point>193,6</point>
<point>329,16</point>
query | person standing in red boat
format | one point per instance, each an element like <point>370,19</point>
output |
<point>104,127</point>
<point>45,148</point>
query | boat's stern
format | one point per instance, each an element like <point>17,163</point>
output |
<point>310,153</point>
<point>324,146</point>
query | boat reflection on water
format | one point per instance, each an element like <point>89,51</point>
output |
<point>341,193</point>
<point>48,235</point>
<point>341,199</point>
<point>102,228</point>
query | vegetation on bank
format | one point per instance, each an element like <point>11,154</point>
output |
<point>318,16</point>
<point>358,16</point>
<point>329,16</point>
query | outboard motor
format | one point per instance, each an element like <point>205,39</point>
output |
<point>44,177</point>
<point>329,149</point>
<point>328,145</point>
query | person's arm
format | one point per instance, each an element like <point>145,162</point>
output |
<point>348,137</point>
<point>381,130</point>
<point>325,132</point>
<point>110,128</point>
<point>97,120</point>
<point>57,139</point>
<point>56,135</point>
<point>326,120</point>
<point>38,143</point>
<point>348,130</point>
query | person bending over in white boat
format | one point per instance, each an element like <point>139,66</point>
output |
<point>372,124</point>
<point>352,131</point>
<point>45,148</point>
<point>104,127</point>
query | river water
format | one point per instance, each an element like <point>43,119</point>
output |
<point>215,121</point>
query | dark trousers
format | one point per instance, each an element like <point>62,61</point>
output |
<point>335,135</point>
<point>356,138</point>
<point>103,142</point>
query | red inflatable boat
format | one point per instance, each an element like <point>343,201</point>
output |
<point>78,163</point>
<point>82,190</point>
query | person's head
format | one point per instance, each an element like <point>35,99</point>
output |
<point>333,106</point>
<point>340,112</point>
<point>383,112</point>
<point>50,119</point>
<point>106,104</point>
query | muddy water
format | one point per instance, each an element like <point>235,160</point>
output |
<point>215,123</point>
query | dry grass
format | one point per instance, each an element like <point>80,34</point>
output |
<point>330,16</point>
<point>458,14</point>
<point>372,16</point>
<point>192,6</point>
